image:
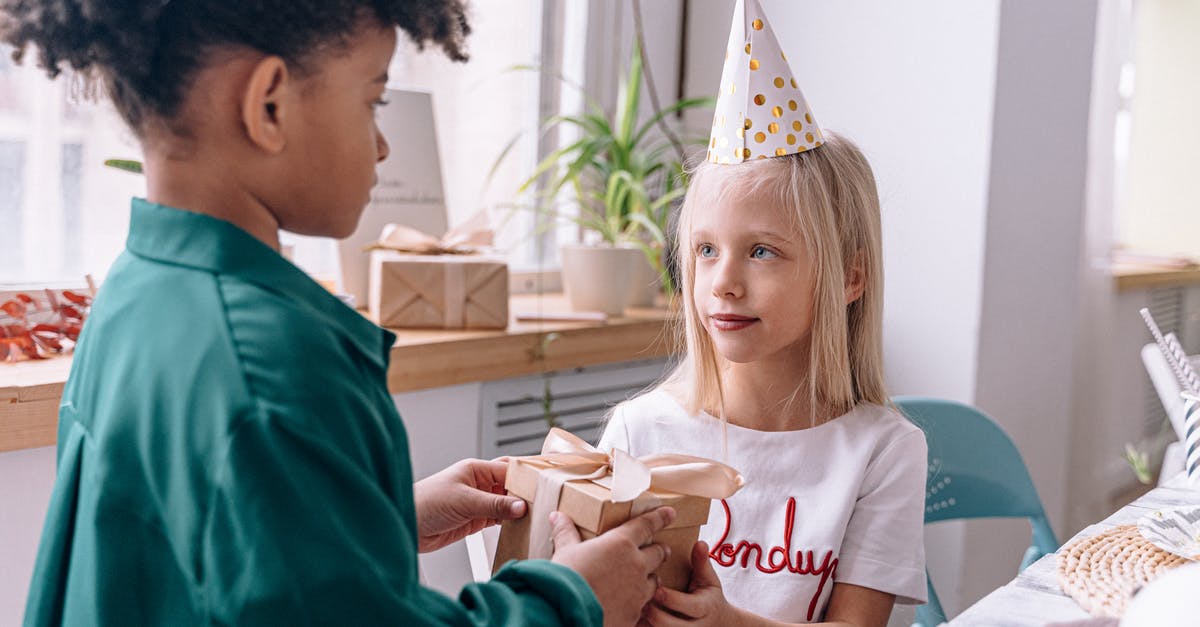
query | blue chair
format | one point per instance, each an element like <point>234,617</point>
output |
<point>975,471</point>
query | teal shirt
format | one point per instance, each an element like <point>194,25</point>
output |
<point>228,453</point>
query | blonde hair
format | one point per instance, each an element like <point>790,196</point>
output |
<point>836,208</point>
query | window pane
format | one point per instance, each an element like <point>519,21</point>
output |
<point>11,100</point>
<point>71,191</point>
<point>12,199</point>
<point>479,107</point>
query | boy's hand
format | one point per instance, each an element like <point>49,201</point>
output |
<point>703,604</point>
<point>461,500</point>
<point>619,565</point>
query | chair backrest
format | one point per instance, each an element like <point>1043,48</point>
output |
<point>975,471</point>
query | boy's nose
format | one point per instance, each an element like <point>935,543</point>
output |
<point>382,149</point>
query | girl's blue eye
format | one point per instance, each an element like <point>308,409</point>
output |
<point>706,250</point>
<point>762,252</point>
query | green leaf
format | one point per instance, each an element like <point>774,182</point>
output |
<point>1139,461</point>
<point>128,165</point>
<point>550,163</point>
<point>629,98</point>
<point>650,226</point>
<point>686,103</point>
<point>500,159</point>
<point>667,198</point>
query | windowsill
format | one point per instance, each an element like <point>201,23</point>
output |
<point>421,359</point>
<point>1133,276</point>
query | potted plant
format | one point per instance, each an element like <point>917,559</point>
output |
<point>618,181</point>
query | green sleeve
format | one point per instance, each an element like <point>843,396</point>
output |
<point>299,533</point>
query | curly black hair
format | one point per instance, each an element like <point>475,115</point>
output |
<point>145,51</point>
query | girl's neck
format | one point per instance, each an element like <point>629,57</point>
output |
<point>770,396</point>
<point>201,185</point>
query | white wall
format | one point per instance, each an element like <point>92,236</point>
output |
<point>26,478</point>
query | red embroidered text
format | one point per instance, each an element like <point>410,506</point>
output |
<point>778,557</point>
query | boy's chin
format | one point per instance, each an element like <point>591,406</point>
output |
<point>343,231</point>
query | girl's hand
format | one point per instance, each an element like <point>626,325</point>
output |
<point>703,604</point>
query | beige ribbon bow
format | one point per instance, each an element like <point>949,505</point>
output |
<point>572,459</point>
<point>465,239</point>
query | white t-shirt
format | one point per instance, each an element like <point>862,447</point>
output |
<point>840,502</point>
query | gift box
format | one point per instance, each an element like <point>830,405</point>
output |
<point>599,492</point>
<point>438,291</point>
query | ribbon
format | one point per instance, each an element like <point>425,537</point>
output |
<point>454,296</point>
<point>465,239</point>
<point>628,477</point>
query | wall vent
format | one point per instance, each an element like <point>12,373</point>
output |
<point>513,412</point>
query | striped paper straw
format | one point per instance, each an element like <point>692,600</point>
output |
<point>1191,438</point>
<point>1185,364</point>
<point>1168,354</point>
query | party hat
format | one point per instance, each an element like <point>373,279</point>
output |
<point>760,110</point>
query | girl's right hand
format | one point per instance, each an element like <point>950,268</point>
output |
<point>703,604</point>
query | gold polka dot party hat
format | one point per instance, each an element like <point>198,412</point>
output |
<point>760,110</point>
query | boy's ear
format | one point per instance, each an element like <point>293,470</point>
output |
<point>856,277</point>
<point>263,104</point>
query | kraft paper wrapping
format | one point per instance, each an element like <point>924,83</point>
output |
<point>600,491</point>
<point>438,291</point>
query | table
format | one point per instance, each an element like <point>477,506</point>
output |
<point>1035,598</point>
<point>421,359</point>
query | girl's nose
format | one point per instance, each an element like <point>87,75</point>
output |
<point>727,281</point>
<point>382,150</point>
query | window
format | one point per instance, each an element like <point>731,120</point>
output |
<point>64,214</point>
<point>1158,129</point>
<point>479,107</point>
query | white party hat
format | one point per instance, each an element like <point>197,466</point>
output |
<point>760,110</point>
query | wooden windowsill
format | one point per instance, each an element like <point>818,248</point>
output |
<point>1130,276</point>
<point>421,359</point>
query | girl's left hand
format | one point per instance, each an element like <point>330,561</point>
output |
<point>703,604</point>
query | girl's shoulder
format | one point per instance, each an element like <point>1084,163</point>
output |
<point>882,424</point>
<point>657,403</point>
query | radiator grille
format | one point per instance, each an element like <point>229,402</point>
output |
<point>516,415</point>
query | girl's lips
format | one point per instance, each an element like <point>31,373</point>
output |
<point>730,322</point>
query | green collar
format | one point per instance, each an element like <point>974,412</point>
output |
<point>194,240</point>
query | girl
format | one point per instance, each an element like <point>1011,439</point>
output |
<point>782,287</point>
<point>228,451</point>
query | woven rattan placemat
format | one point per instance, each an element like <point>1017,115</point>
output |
<point>1102,572</point>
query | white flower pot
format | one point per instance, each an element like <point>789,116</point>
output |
<point>644,283</point>
<point>597,278</point>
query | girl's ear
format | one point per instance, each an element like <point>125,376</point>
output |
<point>263,104</point>
<point>856,277</point>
